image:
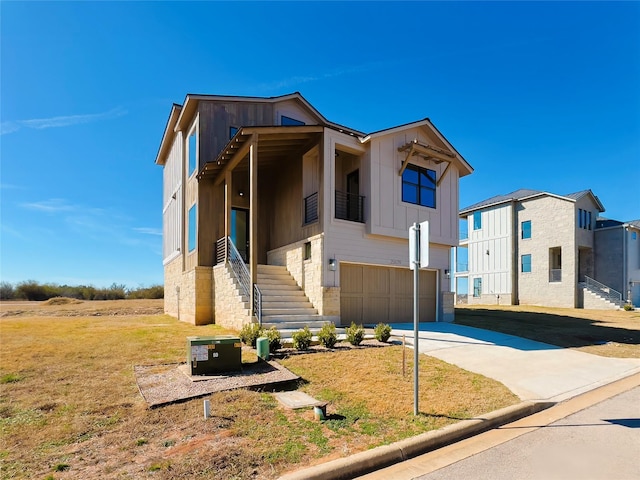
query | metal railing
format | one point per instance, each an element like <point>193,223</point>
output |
<point>349,206</point>
<point>555,275</point>
<point>462,267</point>
<point>603,290</point>
<point>311,208</point>
<point>221,250</point>
<point>257,303</point>
<point>226,248</point>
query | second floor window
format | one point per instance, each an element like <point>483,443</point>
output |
<point>284,120</point>
<point>477,220</point>
<point>526,263</point>
<point>193,152</point>
<point>419,186</point>
<point>526,229</point>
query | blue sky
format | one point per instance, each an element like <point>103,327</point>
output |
<point>534,95</point>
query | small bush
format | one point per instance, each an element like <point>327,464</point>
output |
<point>302,338</point>
<point>382,332</point>
<point>7,291</point>
<point>250,333</point>
<point>355,334</point>
<point>628,307</point>
<point>327,335</point>
<point>274,339</point>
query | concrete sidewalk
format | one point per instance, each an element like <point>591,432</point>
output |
<point>532,370</point>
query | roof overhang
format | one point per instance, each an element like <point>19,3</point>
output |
<point>167,137</point>
<point>272,143</point>
<point>464,167</point>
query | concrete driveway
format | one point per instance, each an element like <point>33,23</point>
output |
<point>532,370</point>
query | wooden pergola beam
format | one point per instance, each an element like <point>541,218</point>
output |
<point>235,160</point>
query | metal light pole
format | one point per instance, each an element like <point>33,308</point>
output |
<point>418,258</point>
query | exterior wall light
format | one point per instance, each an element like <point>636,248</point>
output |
<point>333,264</point>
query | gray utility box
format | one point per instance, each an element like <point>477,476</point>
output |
<point>211,355</point>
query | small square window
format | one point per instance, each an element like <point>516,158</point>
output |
<point>477,220</point>
<point>307,251</point>
<point>526,229</point>
<point>526,263</point>
<point>419,186</point>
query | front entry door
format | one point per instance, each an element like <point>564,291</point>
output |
<point>240,231</point>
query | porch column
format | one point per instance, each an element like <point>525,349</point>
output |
<point>253,214</point>
<point>228,189</point>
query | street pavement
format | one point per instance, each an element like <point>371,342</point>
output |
<point>532,370</point>
<point>601,442</point>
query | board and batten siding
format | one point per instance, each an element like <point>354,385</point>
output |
<point>172,201</point>
<point>390,216</point>
<point>490,250</point>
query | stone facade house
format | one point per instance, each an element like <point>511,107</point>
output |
<point>272,213</point>
<point>532,248</point>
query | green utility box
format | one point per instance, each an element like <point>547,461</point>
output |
<point>212,355</point>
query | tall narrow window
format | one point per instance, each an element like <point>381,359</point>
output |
<point>419,186</point>
<point>526,229</point>
<point>579,218</point>
<point>193,150</point>
<point>525,266</point>
<point>192,228</point>
<point>477,287</point>
<point>589,220</point>
<point>477,220</point>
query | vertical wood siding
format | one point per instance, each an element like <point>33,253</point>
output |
<point>172,200</point>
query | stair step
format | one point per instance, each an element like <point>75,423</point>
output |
<point>299,303</point>
<point>289,327</point>
<point>268,312</point>
<point>273,289</point>
<point>272,269</point>
<point>278,281</point>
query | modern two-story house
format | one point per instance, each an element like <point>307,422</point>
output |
<point>533,248</point>
<point>272,213</point>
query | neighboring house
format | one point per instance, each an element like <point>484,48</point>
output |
<point>531,247</point>
<point>272,212</point>
<point>617,260</point>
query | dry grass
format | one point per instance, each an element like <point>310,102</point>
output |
<point>69,405</point>
<point>609,333</point>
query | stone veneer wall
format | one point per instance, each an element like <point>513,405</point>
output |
<point>194,302</point>
<point>230,310</point>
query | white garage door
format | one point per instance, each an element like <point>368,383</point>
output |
<point>371,294</point>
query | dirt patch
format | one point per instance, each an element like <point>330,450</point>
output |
<point>70,307</point>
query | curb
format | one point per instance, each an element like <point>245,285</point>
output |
<point>386,455</point>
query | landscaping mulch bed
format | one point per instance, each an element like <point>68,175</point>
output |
<point>170,383</point>
<point>289,351</point>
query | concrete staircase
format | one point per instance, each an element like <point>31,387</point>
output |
<point>284,304</point>
<point>593,299</point>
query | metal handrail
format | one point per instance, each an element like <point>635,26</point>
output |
<point>239,268</point>
<point>257,302</point>
<point>349,206</point>
<point>241,272</point>
<point>602,290</point>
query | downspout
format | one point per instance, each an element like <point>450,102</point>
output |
<point>515,272</point>
<point>625,229</point>
<point>438,293</point>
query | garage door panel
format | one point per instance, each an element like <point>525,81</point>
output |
<point>372,294</point>
<point>351,309</point>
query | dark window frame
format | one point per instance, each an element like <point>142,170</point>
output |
<point>430,178</point>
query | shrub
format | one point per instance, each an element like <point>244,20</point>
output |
<point>6,291</point>
<point>355,334</point>
<point>274,339</point>
<point>628,307</point>
<point>250,333</point>
<point>327,335</point>
<point>302,338</point>
<point>382,332</point>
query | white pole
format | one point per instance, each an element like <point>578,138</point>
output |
<point>416,316</point>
